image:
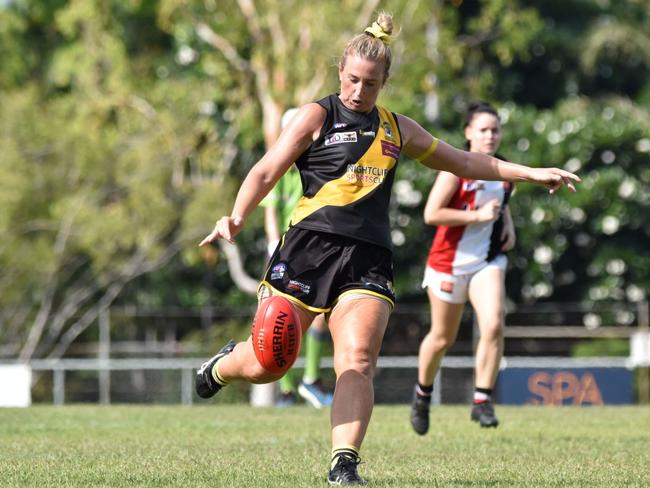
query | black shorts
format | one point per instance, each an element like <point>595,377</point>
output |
<point>316,269</point>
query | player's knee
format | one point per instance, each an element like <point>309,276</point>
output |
<point>492,332</point>
<point>442,343</point>
<point>356,358</point>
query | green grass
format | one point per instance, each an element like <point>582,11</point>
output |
<point>238,446</point>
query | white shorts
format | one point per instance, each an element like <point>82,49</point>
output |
<point>455,288</point>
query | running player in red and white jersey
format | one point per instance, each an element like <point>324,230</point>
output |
<point>466,262</point>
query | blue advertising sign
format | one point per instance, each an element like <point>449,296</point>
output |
<point>565,386</point>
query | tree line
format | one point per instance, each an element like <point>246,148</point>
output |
<point>126,128</point>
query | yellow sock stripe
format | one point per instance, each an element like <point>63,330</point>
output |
<point>347,448</point>
<point>343,450</point>
<point>429,151</point>
<point>216,376</point>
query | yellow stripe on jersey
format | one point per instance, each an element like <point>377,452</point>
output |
<point>361,178</point>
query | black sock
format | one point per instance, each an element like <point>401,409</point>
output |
<point>482,395</point>
<point>423,392</point>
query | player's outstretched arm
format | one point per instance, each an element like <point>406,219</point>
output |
<point>436,154</point>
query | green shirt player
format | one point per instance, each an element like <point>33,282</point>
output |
<point>279,205</point>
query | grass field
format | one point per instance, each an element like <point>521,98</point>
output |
<point>238,446</point>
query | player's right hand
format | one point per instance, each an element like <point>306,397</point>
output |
<point>488,212</point>
<point>554,178</point>
<point>226,228</point>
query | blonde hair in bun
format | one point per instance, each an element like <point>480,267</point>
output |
<point>373,43</point>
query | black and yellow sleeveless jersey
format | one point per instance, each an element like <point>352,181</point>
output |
<point>348,172</point>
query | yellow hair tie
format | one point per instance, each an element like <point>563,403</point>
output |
<point>375,30</point>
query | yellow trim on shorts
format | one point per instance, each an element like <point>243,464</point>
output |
<point>363,291</point>
<point>292,299</point>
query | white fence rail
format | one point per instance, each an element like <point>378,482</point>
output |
<point>187,367</point>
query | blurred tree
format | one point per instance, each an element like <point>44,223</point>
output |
<point>557,110</point>
<point>99,176</point>
<point>126,128</point>
<point>583,246</point>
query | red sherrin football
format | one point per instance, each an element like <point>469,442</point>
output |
<point>276,334</point>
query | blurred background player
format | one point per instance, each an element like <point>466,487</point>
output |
<point>466,261</point>
<point>279,205</point>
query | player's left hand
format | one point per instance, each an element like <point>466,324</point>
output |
<point>554,178</point>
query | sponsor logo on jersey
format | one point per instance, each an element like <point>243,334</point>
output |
<point>370,133</point>
<point>340,125</point>
<point>388,131</point>
<point>390,149</point>
<point>473,186</point>
<point>365,175</point>
<point>340,138</point>
<point>278,271</point>
<point>297,285</point>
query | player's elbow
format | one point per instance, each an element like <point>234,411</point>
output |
<point>430,221</point>
<point>263,174</point>
<point>431,217</point>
